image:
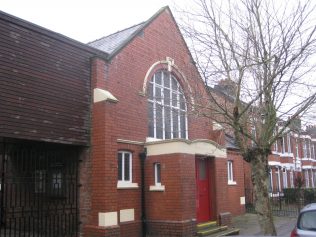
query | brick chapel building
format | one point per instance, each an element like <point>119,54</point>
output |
<point>151,157</point>
<point>102,139</point>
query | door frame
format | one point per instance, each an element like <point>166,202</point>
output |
<point>209,183</point>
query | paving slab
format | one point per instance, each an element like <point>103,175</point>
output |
<point>249,226</point>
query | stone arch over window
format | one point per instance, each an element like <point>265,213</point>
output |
<point>167,107</point>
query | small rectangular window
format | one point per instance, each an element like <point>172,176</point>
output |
<point>124,161</point>
<point>157,171</point>
<point>230,172</point>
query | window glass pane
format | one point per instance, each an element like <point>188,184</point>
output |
<point>166,79</point>
<point>151,119</point>
<point>174,84</point>
<point>202,169</point>
<point>159,131</point>
<point>119,164</point>
<point>164,122</point>
<point>182,102</point>
<point>230,174</point>
<point>127,167</point>
<point>182,125</point>
<point>158,78</point>
<point>166,94</point>
<point>158,95</point>
<point>167,123</point>
<point>175,123</point>
<point>174,99</point>
<point>308,220</point>
<point>56,178</point>
<point>151,91</point>
<point>158,173</point>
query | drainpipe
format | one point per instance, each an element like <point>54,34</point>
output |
<point>142,157</point>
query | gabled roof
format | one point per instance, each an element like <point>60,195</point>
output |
<point>113,43</point>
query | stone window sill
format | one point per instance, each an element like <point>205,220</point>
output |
<point>232,183</point>
<point>155,188</point>
<point>125,185</point>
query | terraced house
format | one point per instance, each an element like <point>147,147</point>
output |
<point>293,155</point>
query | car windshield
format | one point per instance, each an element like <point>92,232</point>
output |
<point>308,220</point>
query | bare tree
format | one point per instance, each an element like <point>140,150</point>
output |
<point>264,48</point>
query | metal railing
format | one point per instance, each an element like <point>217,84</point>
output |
<point>287,202</point>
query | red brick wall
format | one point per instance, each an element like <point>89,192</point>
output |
<point>238,190</point>
<point>85,169</point>
<point>127,70</point>
<point>124,76</point>
<point>228,196</point>
<point>177,202</point>
<point>172,210</point>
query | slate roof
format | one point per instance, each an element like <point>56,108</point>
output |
<point>111,42</point>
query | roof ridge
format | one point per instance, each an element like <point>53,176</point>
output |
<point>103,37</point>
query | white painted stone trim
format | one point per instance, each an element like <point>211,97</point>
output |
<point>157,188</point>
<point>242,200</point>
<point>196,147</point>
<point>232,182</point>
<point>274,163</point>
<point>126,185</point>
<point>103,95</point>
<point>127,215</point>
<point>107,219</point>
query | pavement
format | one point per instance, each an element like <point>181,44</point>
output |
<point>249,226</point>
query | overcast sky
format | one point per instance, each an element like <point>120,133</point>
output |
<point>84,20</point>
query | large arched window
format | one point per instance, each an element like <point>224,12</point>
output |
<point>167,110</point>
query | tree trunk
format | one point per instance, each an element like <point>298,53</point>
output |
<point>259,165</point>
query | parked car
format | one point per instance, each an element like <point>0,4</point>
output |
<point>306,222</point>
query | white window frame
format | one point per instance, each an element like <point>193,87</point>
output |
<point>271,179</point>
<point>289,148</point>
<point>157,172</point>
<point>230,172</point>
<point>307,178</point>
<point>177,93</point>
<point>283,145</point>
<point>310,149</point>
<point>126,183</point>
<point>284,177</point>
<point>158,186</point>
<point>297,148</point>
<point>277,172</point>
<point>312,179</point>
<point>292,178</point>
<point>304,149</point>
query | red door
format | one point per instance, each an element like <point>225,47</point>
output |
<point>203,193</point>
